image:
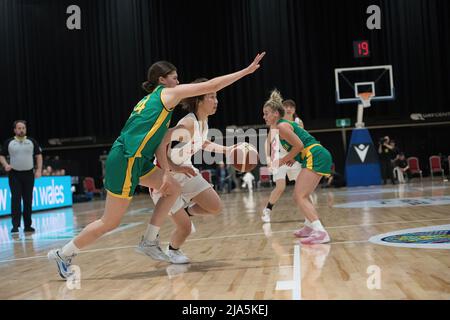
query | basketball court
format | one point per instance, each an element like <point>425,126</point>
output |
<point>236,256</point>
<point>354,73</point>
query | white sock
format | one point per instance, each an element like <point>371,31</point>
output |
<point>317,225</point>
<point>151,233</point>
<point>70,249</point>
<point>307,223</point>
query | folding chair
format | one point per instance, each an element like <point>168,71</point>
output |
<point>436,166</point>
<point>414,167</point>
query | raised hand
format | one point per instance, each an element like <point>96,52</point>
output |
<point>255,64</point>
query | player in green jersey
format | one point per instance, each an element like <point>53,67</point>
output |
<point>130,161</point>
<point>315,160</point>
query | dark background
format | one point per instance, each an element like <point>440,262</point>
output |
<point>71,83</point>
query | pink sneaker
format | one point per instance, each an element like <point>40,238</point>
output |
<point>316,237</point>
<point>303,232</point>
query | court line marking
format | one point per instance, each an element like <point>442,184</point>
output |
<point>335,227</point>
<point>242,235</point>
<point>31,239</point>
<point>297,294</point>
<point>295,285</point>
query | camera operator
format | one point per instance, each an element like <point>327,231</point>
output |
<point>386,153</point>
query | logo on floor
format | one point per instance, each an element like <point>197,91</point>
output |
<point>434,237</point>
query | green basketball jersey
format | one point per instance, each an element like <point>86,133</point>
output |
<point>146,126</point>
<point>303,135</point>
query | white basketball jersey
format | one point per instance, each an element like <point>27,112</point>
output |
<point>183,152</point>
<point>277,151</point>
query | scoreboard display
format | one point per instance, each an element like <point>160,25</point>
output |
<point>361,49</point>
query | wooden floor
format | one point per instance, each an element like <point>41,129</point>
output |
<point>236,256</point>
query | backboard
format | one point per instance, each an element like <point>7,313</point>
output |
<point>351,82</point>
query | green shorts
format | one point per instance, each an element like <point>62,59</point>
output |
<point>122,174</point>
<point>317,159</point>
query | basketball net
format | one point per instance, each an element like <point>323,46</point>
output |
<point>365,99</point>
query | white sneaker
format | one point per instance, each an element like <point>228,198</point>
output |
<point>266,215</point>
<point>177,256</point>
<point>152,249</point>
<point>63,263</point>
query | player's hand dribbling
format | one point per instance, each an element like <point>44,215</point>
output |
<point>255,64</point>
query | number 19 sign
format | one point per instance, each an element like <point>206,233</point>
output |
<point>361,49</point>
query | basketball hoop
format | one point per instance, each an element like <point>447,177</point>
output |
<point>365,98</point>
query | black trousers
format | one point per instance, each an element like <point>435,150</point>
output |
<point>387,171</point>
<point>21,184</point>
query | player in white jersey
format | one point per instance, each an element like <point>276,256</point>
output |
<point>197,197</point>
<point>276,151</point>
<point>290,114</point>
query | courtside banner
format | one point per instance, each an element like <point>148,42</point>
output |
<point>48,193</point>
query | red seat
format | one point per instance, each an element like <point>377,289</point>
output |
<point>264,176</point>
<point>436,166</point>
<point>414,167</point>
<point>89,186</point>
<point>206,174</point>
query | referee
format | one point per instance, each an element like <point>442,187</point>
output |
<point>21,150</point>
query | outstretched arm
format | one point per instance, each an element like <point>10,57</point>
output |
<point>214,147</point>
<point>172,96</point>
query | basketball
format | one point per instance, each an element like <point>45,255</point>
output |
<point>244,157</point>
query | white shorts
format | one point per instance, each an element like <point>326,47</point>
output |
<point>190,188</point>
<point>291,172</point>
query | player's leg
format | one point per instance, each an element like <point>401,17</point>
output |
<point>306,183</point>
<point>292,174</point>
<point>153,178</point>
<point>280,186</point>
<point>179,236</point>
<point>279,177</point>
<point>201,193</point>
<point>206,202</point>
<point>120,183</point>
<point>315,165</point>
<point>115,209</point>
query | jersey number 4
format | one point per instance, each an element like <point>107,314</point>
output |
<point>140,106</point>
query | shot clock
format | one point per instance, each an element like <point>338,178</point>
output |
<point>361,49</point>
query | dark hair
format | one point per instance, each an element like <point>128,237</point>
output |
<point>191,104</point>
<point>158,69</point>
<point>290,102</point>
<point>275,102</point>
<point>19,121</point>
